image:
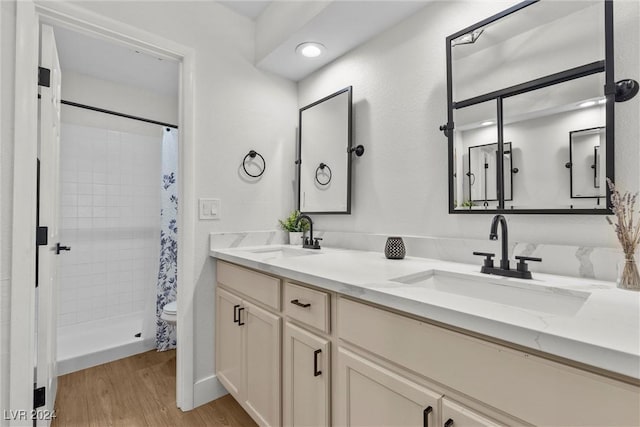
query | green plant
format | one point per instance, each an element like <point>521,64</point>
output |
<point>289,223</point>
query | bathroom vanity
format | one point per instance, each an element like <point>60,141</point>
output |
<point>344,337</point>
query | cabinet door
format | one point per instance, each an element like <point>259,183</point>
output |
<point>454,415</point>
<point>371,395</point>
<point>228,342</point>
<point>262,341</point>
<point>306,378</point>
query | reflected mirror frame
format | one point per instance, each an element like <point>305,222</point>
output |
<point>609,91</point>
<point>349,91</point>
<point>596,183</point>
<point>509,152</point>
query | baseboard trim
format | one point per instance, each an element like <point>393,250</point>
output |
<point>207,389</point>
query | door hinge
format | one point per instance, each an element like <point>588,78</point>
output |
<point>42,236</point>
<point>44,77</point>
<point>39,397</point>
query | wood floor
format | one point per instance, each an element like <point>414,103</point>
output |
<point>137,391</point>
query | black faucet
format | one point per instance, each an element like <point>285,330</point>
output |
<point>309,242</point>
<point>522,268</point>
<point>493,235</point>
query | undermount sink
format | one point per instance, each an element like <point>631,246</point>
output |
<point>509,292</point>
<point>278,252</point>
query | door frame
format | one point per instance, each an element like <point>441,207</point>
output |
<point>28,18</point>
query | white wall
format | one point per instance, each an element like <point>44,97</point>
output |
<point>399,92</point>
<point>7,57</point>
<point>238,108</point>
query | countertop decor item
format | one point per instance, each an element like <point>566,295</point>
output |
<point>394,248</point>
<point>296,231</point>
<point>628,232</point>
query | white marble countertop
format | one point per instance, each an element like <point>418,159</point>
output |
<point>585,320</point>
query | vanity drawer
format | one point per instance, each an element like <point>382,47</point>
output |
<point>260,287</point>
<point>307,306</point>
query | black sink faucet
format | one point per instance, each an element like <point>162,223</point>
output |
<point>309,242</point>
<point>522,268</point>
<point>493,235</point>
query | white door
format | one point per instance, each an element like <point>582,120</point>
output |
<point>47,291</point>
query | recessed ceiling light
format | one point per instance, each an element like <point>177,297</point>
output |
<point>310,49</point>
<point>487,123</point>
<point>587,104</point>
<point>602,101</point>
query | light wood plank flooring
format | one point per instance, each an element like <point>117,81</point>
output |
<point>137,391</point>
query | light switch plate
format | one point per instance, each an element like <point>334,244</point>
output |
<point>209,208</point>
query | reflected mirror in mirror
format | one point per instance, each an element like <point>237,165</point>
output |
<point>476,126</point>
<point>541,39</point>
<point>483,173</point>
<point>324,171</point>
<point>540,121</point>
<point>584,163</point>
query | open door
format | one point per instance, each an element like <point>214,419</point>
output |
<point>48,216</point>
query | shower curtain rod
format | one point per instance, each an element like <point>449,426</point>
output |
<point>115,113</point>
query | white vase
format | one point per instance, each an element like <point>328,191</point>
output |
<point>295,237</point>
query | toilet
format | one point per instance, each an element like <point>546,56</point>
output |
<point>169,313</point>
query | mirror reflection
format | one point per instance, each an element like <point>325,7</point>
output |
<point>584,163</point>
<point>324,163</point>
<point>482,173</point>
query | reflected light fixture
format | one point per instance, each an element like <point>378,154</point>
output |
<point>587,104</point>
<point>310,49</point>
<point>487,123</point>
<point>602,101</point>
<point>468,38</point>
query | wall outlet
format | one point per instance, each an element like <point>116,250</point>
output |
<point>209,208</point>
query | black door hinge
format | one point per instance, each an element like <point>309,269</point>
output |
<point>44,77</point>
<point>39,397</point>
<point>42,236</point>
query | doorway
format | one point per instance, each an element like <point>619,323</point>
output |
<point>23,323</point>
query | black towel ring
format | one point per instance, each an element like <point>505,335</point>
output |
<point>252,154</point>
<point>321,168</point>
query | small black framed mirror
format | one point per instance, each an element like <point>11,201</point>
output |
<point>325,138</point>
<point>585,178</point>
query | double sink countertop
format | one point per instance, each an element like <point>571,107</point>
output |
<point>584,320</point>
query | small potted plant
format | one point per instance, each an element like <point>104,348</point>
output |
<point>296,230</point>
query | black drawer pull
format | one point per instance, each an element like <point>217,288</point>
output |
<point>235,313</point>
<point>299,304</point>
<point>425,416</point>
<point>316,372</point>
<point>448,423</point>
<point>240,322</point>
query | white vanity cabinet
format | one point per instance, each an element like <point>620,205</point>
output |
<point>248,343</point>
<point>298,355</point>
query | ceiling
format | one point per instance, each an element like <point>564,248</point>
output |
<point>106,60</point>
<point>250,9</point>
<point>340,25</point>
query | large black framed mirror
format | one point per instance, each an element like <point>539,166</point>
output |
<point>522,81</point>
<point>324,147</point>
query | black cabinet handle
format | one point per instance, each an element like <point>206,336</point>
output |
<point>448,423</point>
<point>316,372</point>
<point>299,304</point>
<point>235,313</point>
<point>425,416</point>
<point>240,322</point>
<point>60,248</point>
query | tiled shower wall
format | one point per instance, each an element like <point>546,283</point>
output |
<point>110,216</point>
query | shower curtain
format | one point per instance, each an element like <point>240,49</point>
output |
<point>167,275</point>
